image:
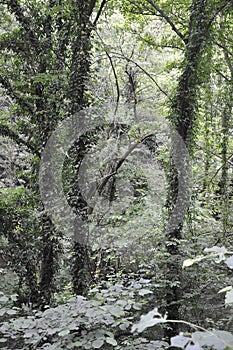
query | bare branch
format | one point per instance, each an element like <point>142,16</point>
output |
<point>103,3</point>
<point>168,19</point>
<point>222,75</point>
<point>220,9</point>
<point>91,7</point>
<point>227,53</point>
<point>224,48</point>
<point>114,72</point>
<point>143,70</point>
<point>119,163</point>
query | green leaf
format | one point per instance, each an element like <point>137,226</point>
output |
<point>2,312</point>
<point>180,341</point>
<point>64,333</point>
<point>149,320</point>
<point>14,297</point>
<point>229,262</point>
<point>98,343</point>
<point>76,343</point>
<point>115,311</point>
<point>111,341</point>
<point>110,334</point>
<point>3,299</point>
<point>143,292</point>
<point>217,339</point>
<point>226,289</point>
<point>190,262</point>
<point>137,306</point>
<point>11,312</point>
<point>229,298</point>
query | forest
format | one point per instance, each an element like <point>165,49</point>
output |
<point>116,174</point>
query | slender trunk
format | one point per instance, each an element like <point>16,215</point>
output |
<point>224,181</point>
<point>49,262</point>
<point>226,124</point>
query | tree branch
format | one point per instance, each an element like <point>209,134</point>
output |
<point>14,95</point>
<point>15,8</point>
<point>153,44</point>
<point>91,7</point>
<point>103,3</point>
<point>143,70</point>
<point>218,10</point>
<point>119,163</point>
<point>227,53</point>
<point>224,48</point>
<point>114,72</point>
<point>168,19</point>
<point>6,131</point>
<point>223,75</point>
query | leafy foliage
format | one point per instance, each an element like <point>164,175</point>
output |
<point>142,68</point>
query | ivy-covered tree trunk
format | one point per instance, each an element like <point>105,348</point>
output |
<point>226,127</point>
<point>48,48</point>
<point>183,120</point>
<point>49,264</point>
<point>79,72</point>
<point>224,181</point>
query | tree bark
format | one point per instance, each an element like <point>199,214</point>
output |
<point>183,120</point>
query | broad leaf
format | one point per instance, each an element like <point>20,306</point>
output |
<point>98,343</point>
<point>143,292</point>
<point>111,341</point>
<point>229,298</point>
<point>217,339</point>
<point>190,262</point>
<point>180,341</point>
<point>149,320</point>
<point>229,262</point>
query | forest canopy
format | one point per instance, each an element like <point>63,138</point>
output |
<point>116,182</point>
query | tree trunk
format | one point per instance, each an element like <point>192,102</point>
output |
<point>49,262</point>
<point>183,120</point>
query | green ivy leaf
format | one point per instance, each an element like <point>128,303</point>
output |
<point>11,312</point>
<point>98,343</point>
<point>115,311</point>
<point>64,333</point>
<point>4,299</point>
<point>111,341</point>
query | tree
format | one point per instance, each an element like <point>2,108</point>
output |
<point>150,66</point>
<point>183,119</point>
<point>194,36</point>
<point>48,46</point>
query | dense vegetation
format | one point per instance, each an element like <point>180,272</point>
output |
<point>116,182</point>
